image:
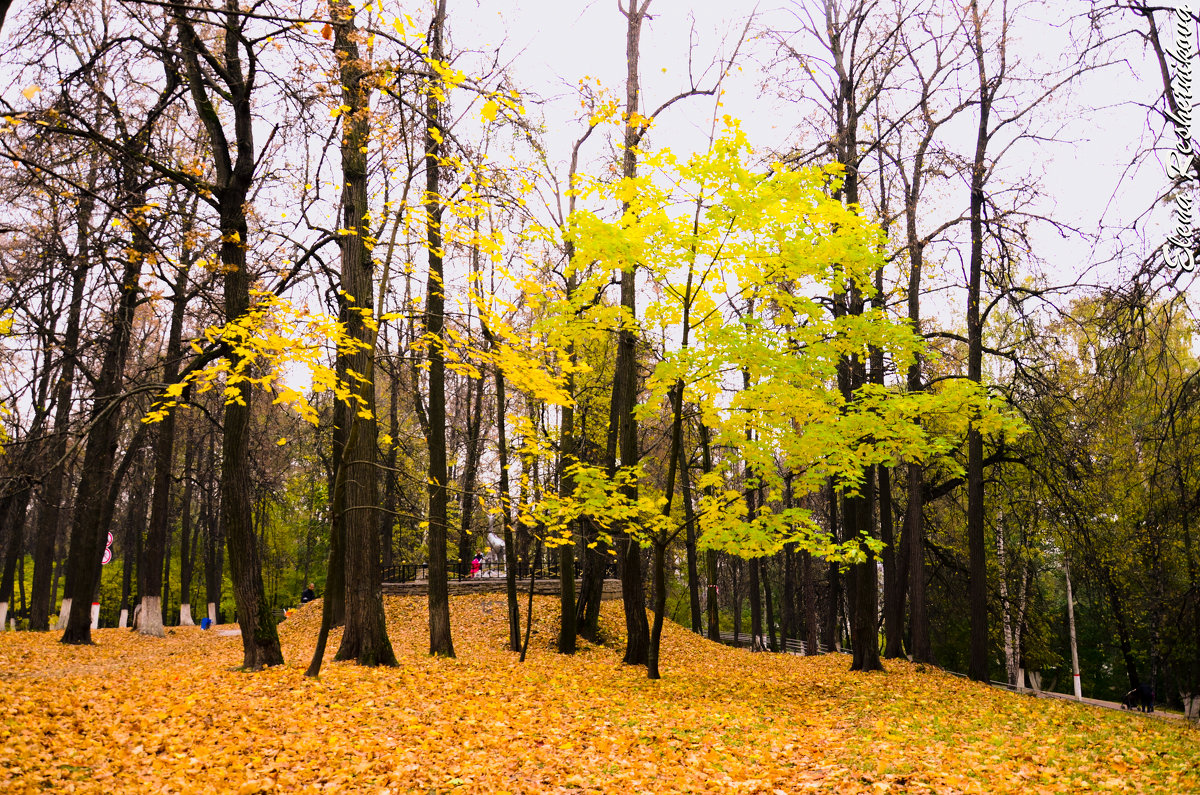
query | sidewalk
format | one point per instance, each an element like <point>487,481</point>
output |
<point>1095,702</point>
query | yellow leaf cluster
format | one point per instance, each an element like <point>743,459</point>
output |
<point>267,345</point>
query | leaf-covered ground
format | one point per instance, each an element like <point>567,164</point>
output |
<point>136,714</point>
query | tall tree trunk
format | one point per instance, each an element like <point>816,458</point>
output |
<point>622,424</point>
<point>157,547</point>
<point>13,536</point>
<point>260,641</point>
<point>214,536</point>
<point>893,582</point>
<point>914,523</point>
<point>710,556</point>
<point>1124,637</point>
<point>788,625</point>
<point>88,527</point>
<point>809,588</point>
<point>510,546</point>
<point>765,575</point>
<point>660,608</point>
<point>865,642</point>
<point>129,560</point>
<point>335,574</point>
<point>1008,635</point>
<point>440,641</point>
<point>187,536</point>
<point>735,572</point>
<point>756,611</point>
<point>234,163</point>
<point>365,637</point>
<point>977,666</point>
<point>662,540</point>
<point>466,540</point>
<point>567,629</point>
<point>751,491</point>
<point>832,626</point>
<point>337,563</point>
<point>391,502</point>
<point>52,492</point>
<point>693,564</point>
<point>914,531</point>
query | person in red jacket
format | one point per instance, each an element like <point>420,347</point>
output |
<point>476,565</point>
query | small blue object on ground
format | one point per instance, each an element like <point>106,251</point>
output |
<point>205,623</point>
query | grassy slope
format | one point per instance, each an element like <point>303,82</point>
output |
<point>135,714</point>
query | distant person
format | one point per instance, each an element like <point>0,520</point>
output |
<point>1141,698</point>
<point>308,594</point>
<point>476,565</point>
<point>1145,697</point>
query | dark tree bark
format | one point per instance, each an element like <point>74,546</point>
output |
<point>52,493</point>
<point>335,575</point>
<point>156,562</point>
<point>580,616</point>
<point>735,576</point>
<point>88,526</point>
<point>710,556</point>
<point>661,542</point>
<point>832,625</point>
<point>712,594</point>
<point>977,666</point>
<point>622,424</point>
<point>187,535</point>
<point>466,540</point>
<point>756,610</point>
<point>567,629</point>
<point>750,484</point>
<point>12,536</point>
<point>391,501</point>
<point>365,637</point>
<point>865,641</point>
<point>129,557</point>
<point>809,587</point>
<point>510,546</point>
<point>893,583</point>
<point>440,641</point>
<point>765,574</point>
<point>234,161</point>
<point>693,564</point>
<point>788,624</point>
<point>214,536</point>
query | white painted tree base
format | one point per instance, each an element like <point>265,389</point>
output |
<point>95,615</point>
<point>212,612</point>
<point>124,622</point>
<point>3,613</point>
<point>185,616</point>
<point>63,614</point>
<point>151,619</point>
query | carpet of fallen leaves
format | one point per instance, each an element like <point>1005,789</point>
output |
<point>137,714</point>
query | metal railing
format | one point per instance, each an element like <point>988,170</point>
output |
<point>462,570</point>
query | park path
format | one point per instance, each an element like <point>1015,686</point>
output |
<point>745,640</point>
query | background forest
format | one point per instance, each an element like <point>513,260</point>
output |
<point>846,322</point>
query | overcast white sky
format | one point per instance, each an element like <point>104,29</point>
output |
<point>554,44</point>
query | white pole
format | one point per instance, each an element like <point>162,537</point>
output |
<point>1071,623</point>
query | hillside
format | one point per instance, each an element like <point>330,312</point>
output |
<point>135,714</point>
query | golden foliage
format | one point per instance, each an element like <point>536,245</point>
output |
<point>139,714</point>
